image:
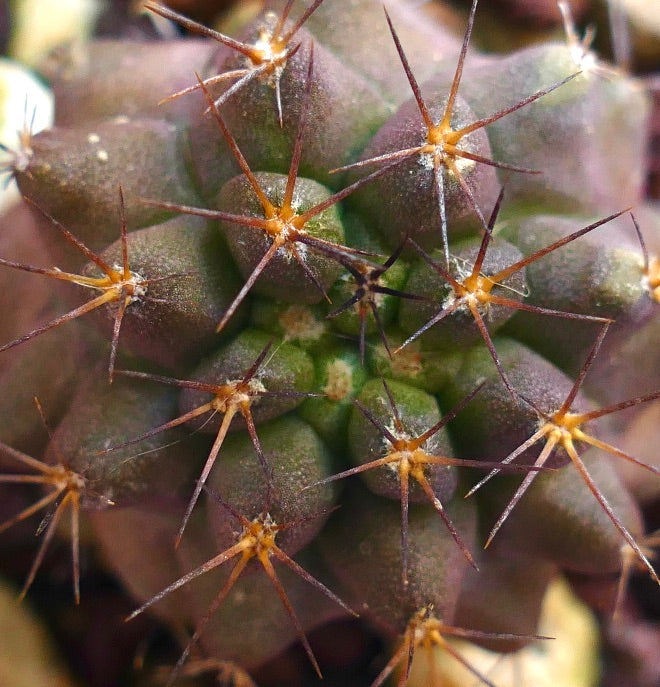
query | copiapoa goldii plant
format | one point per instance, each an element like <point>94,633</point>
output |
<point>356,295</point>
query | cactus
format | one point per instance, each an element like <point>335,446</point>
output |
<point>357,291</point>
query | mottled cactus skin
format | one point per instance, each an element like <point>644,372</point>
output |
<point>331,346</point>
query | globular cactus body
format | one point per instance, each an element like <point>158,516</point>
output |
<point>309,268</point>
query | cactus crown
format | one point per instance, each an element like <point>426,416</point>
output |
<point>254,252</point>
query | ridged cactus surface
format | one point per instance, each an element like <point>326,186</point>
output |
<point>333,317</point>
